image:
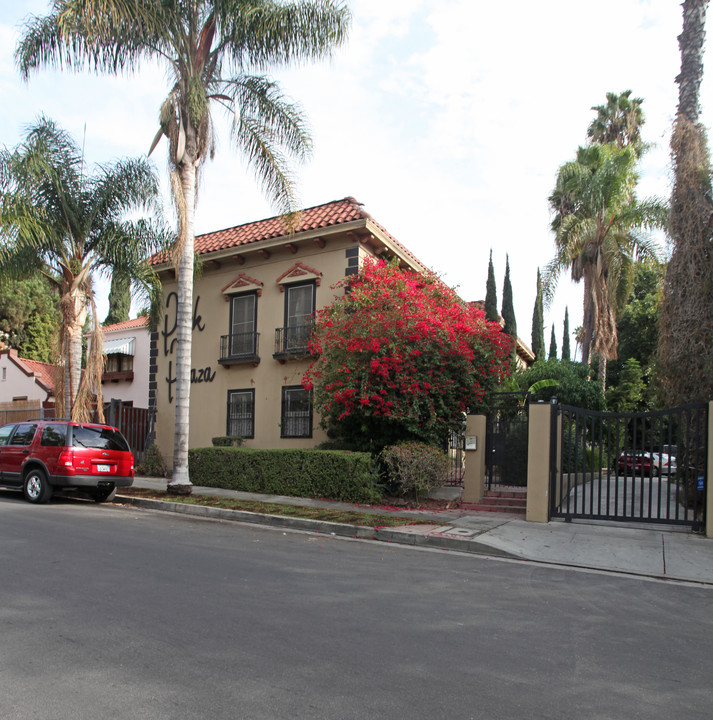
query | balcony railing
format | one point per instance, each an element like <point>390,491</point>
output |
<point>293,342</point>
<point>239,348</point>
<point>117,375</point>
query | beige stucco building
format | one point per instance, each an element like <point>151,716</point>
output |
<point>254,299</point>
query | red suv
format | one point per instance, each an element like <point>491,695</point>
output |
<point>40,455</point>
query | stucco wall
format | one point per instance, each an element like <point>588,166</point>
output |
<point>15,383</point>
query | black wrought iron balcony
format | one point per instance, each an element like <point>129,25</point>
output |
<point>239,348</point>
<point>293,342</point>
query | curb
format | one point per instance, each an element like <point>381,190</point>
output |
<point>442,542</point>
<point>361,532</point>
<point>283,521</point>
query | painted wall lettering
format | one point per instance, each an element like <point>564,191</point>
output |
<point>202,375</point>
<point>170,324</point>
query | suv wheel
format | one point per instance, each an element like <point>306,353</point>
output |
<point>36,488</point>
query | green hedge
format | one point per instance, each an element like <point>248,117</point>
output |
<point>346,476</point>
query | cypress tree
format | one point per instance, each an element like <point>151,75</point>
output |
<point>538,328</point>
<point>119,297</point>
<point>566,354</point>
<point>552,355</point>
<point>491,294</point>
<point>508,311</point>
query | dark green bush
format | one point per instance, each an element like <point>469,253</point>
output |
<point>350,477</point>
<point>153,464</point>
<point>227,441</point>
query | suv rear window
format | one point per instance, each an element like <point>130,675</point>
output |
<point>98,438</point>
<point>54,436</point>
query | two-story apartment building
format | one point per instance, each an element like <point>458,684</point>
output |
<point>255,296</point>
<point>126,373</point>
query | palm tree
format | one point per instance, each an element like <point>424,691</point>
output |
<point>59,222</point>
<point>212,50</point>
<point>619,121</point>
<point>599,231</point>
<point>686,336</point>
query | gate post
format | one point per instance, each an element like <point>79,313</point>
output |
<point>709,474</point>
<point>474,480</point>
<point>538,462</point>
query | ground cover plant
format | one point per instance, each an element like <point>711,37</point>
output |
<point>350,517</point>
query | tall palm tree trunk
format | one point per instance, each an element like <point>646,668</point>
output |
<point>75,307</point>
<point>180,480</point>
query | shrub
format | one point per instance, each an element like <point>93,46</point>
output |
<point>227,441</point>
<point>400,357</point>
<point>303,473</point>
<point>415,468</point>
<point>153,464</point>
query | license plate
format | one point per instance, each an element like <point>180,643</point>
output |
<point>103,468</point>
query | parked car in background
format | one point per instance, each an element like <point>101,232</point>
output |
<point>664,463</point>
<point>38,456</point>
<point>636,464</point>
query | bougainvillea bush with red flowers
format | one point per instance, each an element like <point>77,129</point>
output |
<point>401,357</point>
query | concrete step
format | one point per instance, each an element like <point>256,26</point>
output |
<point>490,500</point>
<point>519,510</point>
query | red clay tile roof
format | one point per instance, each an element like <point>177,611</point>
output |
<point>127,324</point>
<point>43,372</point>
<point>337,212</point>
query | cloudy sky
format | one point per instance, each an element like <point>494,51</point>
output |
<point>447,119</point>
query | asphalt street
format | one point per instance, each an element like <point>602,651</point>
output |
<point>113,612</point>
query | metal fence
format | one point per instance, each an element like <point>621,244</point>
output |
<point>643,467</point>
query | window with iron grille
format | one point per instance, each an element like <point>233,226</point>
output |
<point>241,413</point>
<point>296,412</point>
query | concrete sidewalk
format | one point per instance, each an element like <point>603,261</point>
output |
<point>659,552</point>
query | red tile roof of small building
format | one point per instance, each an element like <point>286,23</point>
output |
<point>41,371</point>
<point>337,212</point>
<point>127,324</point>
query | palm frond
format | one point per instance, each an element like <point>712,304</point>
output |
<point>256,35</point>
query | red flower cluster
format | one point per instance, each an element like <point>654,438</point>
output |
<point>401,356</point>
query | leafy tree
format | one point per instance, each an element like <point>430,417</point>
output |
<point>508,313</point>
<point>576,384</point>
<point>600,230</point>
<point>58,221</point>
<point>628,395</point>
<point>619,121</point>
<point>538,328</point>
<point>491,294</point>
<point>686,339</point>
<point>29,315</point>
<point>566,352</point>
<point>638,324</point>
<point>552,355</point>
<point>119,297</point>
<point>213,51</point>
<point>401,357</point>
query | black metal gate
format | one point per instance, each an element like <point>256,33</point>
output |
<point>456,457</point>
<point>506,439</point>
<point>633,467</point>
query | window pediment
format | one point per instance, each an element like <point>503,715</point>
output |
<point>299,272</point>
<point>242,283</point>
